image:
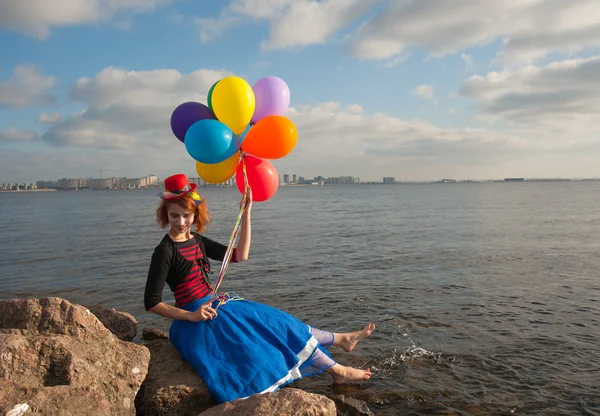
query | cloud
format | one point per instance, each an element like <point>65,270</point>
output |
<point>425,91</point>
<point>49,118</point>
<point>371,47</point>
<point>175,18</point>
<point>260,9</point>
<point>330,106</point>
<point>114,86</point>
<point>292,23</point>
<point>529,29</point>
<point>35,18</point>
<point>560,100</point>
<point>468,60</point>
<point>126,109</point>
<point>396,61</point>
<point>15,135</point>
<point>355,109</point>
<point>210,28</point>
<point>310,22</point>
<point>20,165</point>
<point>27,87</point>
<point>339,142</point>
<point>332,133</point>
<point>124,128</point>
<point>126,119</point>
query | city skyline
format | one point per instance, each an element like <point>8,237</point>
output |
<point>122,182</point>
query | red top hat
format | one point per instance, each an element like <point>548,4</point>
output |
<point>176,186</point>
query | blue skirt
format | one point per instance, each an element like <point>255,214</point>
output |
<point>248,348</point>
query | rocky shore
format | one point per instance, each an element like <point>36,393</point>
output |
<point>59,358</point>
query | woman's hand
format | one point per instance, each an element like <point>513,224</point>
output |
<point>203,313</point>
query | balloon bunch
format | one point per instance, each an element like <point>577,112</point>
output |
<point>242,125</point>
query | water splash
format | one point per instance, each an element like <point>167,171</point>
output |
<point>414,353</point>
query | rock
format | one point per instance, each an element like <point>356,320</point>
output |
<point>285,402</point>
<point>59,400</point>
<point>57,358</point>
<point>18,410</point>
<point>122,324</point>
<point>348,406</point>
<point>172,386</point>
<point>150,334</point>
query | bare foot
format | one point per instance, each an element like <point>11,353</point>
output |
<point>348,340</point>
<point>342,374</point>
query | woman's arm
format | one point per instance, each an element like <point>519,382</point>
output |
<point>157,275</point>
<point>216,251</point>
<point>204,312</point>
<point>171,312</point>
<point>243,245</point>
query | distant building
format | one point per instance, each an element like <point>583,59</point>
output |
<point>286,178</point>
<point>198,181</point>
<point>46,184</point>
<point>104,183</point>
<point>340,180</point>
<point>202,182</point>
<point>294,179</point>
<point>18,186</point>
<point>70,183</point>
<point>135,183</point>
<point>151,180</point>
<point>389,179</point>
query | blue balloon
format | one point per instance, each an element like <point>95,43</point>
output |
<point>210,141</point>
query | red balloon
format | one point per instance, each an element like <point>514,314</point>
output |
<point>262,178</point>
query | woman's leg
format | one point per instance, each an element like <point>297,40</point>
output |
<point>339,373</point>
<point>343,374</point>
<point>346,340</point>
<point>325,338</point>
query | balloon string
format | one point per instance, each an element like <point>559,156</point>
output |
<point>234,233</point>
<point>224,298</point>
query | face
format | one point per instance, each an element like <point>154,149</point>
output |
<point>180,219</point>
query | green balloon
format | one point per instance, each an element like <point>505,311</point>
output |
<point>209,99</point>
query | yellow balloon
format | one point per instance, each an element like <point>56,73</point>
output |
<point>233,103</point>
<point>218,172</point>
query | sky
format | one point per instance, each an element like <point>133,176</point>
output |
<point>417,90</point>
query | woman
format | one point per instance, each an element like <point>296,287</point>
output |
<point>246,347</point>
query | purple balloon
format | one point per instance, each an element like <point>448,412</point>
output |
<point>272,97</point>
<point>187,114</point>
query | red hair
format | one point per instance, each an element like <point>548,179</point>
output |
<point>200,211</point>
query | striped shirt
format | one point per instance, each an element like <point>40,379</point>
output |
<point>184,267</point>
<point>195,285</point>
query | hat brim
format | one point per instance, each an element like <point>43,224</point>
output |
<point>172,195</point>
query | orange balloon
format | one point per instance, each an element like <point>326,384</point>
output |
<point>271,137</point>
